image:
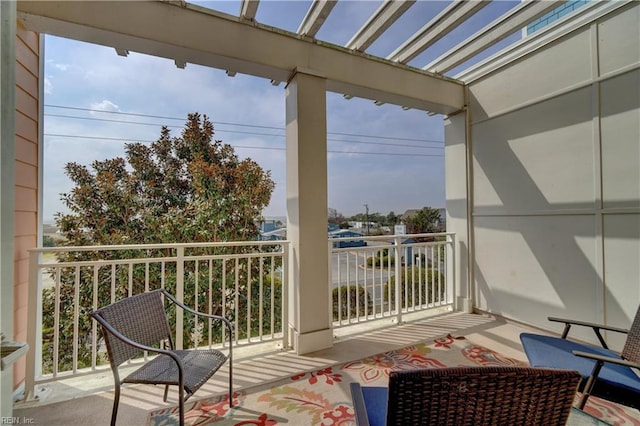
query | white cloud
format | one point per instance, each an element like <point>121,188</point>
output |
<point>105,105</point>
<point>48,87</point>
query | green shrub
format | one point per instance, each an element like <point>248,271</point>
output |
<point>418,288</point>
<point>381,258</point>
<point>356,300</point>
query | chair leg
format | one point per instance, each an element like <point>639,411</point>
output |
<point>181,396</point>
<point>230,386</point>
<point>116,401</point>
<point>166,392</point>
<point>591,381</point>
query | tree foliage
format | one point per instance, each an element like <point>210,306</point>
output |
<point>189,188</point>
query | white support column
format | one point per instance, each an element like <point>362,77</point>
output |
<point>459,205</point>
<point>306,134</point>
<point>7,182</point>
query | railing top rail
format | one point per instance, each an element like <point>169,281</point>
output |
<point>155,260</point>
<point>392,236</point>
<point>158,246</point>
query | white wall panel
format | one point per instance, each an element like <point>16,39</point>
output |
<point>620,129</point>
<point>619,40</point>
<point>537,158</point>
<point>541,74</point>
<point>530,267</point>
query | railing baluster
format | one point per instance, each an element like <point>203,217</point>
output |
<point>146,277</point>
<point>273,298</point>
<point>339,287</point>
<point>261,298</point>
<point>398,290</point>
<point>196,290</point>
<point>113,282</point>
<point>76,318</point>
<point>224,297</point>
<point>210,303</point>
<point>180,296</point>
<point>56,324</point>
<point>248,299</point>
<point>94,326</point>
<point>236,299</point>
<point>357,288</point>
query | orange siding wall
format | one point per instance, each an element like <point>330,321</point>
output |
<point>26,178</point>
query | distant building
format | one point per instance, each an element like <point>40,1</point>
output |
<point>268,225</point>
<point>274,235</point>
<point>332,227</point>
<point>554,15</point>
<point>347,233</point>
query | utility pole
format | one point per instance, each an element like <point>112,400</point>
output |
<point>366,206</point>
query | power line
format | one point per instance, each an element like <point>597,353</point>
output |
<point>242,146</point>
<point>237,124</point>
<point>240,132</point>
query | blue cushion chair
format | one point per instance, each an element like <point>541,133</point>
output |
<point>605,373</point>
<point>493,395</point>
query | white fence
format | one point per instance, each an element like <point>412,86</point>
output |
<point>246,282</point>
<point>363,277</point>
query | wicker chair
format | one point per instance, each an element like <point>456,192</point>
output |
<point>135,324</point>
<point>468,396</point>
<point>605,373</point>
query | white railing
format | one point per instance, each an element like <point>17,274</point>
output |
<point>363,277</point>
<point>243,281</point>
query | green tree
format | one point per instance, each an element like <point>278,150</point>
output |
<point>189,188</point>
<point>391,219</point>
<point>179,189</point>
<point>424,221</point>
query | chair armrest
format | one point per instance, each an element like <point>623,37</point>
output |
<point>171,297</point>
<point>603,358</point>
<point>596,328</point>
<point>589,324</point>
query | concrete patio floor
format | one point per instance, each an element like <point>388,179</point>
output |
<point>88,400</point>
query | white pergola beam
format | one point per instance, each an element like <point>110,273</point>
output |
<point>221,41</point>
<point>441,25</point>
<point>315,17</point>
<point>248,9</point>
<point>378,23</point>
<point>512,21</point>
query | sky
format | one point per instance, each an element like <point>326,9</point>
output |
<point>380,156</point>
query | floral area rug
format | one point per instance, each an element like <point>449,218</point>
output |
<point>322,397</point>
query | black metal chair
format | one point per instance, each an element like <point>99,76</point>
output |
<point>606,373</point>
<point>493,395</point>
<point>135,324</point>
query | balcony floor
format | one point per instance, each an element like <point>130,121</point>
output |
<point>87,400</point>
